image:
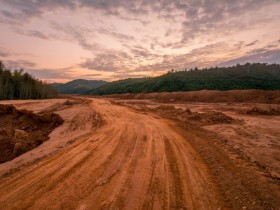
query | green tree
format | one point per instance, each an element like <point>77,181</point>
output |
<point>21,85</point>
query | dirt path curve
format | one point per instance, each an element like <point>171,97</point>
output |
<point>134,161</point>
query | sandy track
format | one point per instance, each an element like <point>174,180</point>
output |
<point>134,161</point>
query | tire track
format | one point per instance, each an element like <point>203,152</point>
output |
<point>134,161</point>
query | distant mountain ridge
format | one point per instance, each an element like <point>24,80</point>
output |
<point>78,86</point>
<point>259,76</point>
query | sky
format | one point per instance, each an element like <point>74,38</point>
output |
<point>62,40</point>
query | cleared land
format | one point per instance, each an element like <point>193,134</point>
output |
<point>146,154</point>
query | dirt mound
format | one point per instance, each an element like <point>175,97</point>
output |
<point>21,130</point>
<point>207,117</point>
<point>210,118</point>
<point>261,111</point>
<point>204,118</point>
<point>244,96</point>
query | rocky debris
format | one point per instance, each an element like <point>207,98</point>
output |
<point>19,148</point>
<point>69,102</point>
<point>20,134</point>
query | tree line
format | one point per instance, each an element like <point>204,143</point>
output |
<point>18,84</point>
<point>259,76</point>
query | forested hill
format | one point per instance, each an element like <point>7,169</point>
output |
<point>78,86</point>
<point>239,77</point>
<point>18,84</point>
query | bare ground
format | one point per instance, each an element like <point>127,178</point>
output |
<point>79,120</point>
<point>147,155</point>
<point>22,130</point>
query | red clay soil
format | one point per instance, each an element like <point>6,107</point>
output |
<point>242,184</point>
<point>144,158</point>
<point>21,130</point>
<point>261,111</point>
<point>185,115</point>
<point>209,96</point>
<point>206,118</point>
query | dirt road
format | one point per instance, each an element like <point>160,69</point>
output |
<point>134,161</point>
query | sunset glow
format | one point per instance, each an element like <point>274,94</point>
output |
<point>58,40</point>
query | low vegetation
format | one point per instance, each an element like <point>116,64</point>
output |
<point>239,77</point>
<point>18,84</point>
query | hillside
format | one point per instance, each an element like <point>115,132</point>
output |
<point>78,86</point>
<point>239,77</point>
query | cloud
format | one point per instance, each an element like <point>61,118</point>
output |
<point>197,11</point>
<point>140,59</point>
<point>198,57</point>
<point>8,14</point>
<point>224,17</point>
<point>260,56</point>
<point>136,60</point>
<point>199,18</point>
<point>116,7</point>
<point>50,74</point>
<point>148,35</point>
<point>124,75</point>
<point>18,64</point>
<point>31,33</point>
<point>252,43</point>
<point>119,36</point>
<point>113,61</point>
<point>77,34</point>
<point>91,75</point>
<point>42,73</point>
<point>24,10</point>
<point>110,61</point>
<point>4,53</point>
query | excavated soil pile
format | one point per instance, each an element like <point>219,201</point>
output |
<point>205,118</point>
<point>209,96</point>
<point>21,130</point>
<point>261,111</point>
<point>185,115</point>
